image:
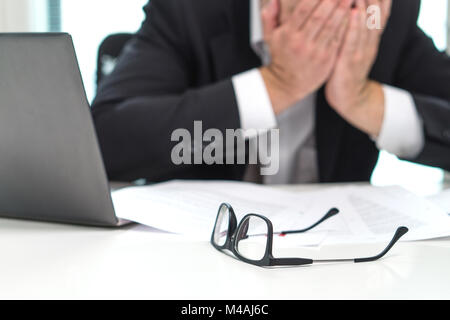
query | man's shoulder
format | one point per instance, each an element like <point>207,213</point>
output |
<point>202,8</point>
<point>406,9</point>
<point>192,17</point>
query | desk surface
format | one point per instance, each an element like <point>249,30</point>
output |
<point>52,261</point>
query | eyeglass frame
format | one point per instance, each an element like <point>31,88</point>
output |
<point>269,260</point>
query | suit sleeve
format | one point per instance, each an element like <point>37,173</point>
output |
<point>154,90</point>
<point>425,73</point>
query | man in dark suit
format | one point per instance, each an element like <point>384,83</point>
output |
<point>338,90</point>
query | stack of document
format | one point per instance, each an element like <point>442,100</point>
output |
<point>366,213</point>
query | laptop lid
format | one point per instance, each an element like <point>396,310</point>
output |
<point>51,168</point>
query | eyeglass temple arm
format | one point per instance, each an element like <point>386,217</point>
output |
<point>290,262</point>
<point>300,261</point>
<point>397,236</point>
<point>329,215</point>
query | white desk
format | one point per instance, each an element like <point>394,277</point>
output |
<point>51,261</point>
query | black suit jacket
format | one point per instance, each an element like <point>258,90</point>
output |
<point>178,69</point>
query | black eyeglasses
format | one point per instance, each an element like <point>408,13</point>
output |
<point>252,240</point>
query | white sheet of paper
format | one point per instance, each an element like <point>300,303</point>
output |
<point>368,214</point>
<point>374,214</point>
<point>442,200</point>
<point>190,208</point>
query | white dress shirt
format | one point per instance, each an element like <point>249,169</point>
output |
<point>298,152</point>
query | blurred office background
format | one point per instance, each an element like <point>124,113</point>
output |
<point>89,22</point>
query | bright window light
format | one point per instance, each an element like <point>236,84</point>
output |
<point>89,22</point>
<point>390,170</point>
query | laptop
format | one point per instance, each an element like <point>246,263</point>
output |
<point>51,168</point>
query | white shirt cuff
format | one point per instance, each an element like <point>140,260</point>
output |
<point>255,107</point>
<point>402,132</point>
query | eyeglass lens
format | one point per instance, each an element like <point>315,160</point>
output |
<point>251,238</point>
<point>222,225</point>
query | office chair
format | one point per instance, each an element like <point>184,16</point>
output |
<point>108,53</point>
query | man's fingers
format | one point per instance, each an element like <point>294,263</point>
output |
<point>330,32</point>
<point>270,17</point>
<point>338,41</point>
<point>318,18</point>
<point>302,12</point>
<point>351,41</point>
<point>374,25</point>
<point>361,30</point>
